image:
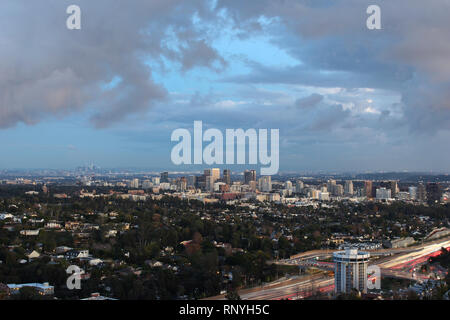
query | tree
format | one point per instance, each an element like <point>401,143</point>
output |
<point>29,293</point>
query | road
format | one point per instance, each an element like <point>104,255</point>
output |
<point>397,263</point>
<point>295,288</point>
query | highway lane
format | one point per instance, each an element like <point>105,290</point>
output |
<point>393,266</point>
<point>302,289</point>
<point>401,261</point>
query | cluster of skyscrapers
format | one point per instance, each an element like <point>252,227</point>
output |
<point>213,180</point>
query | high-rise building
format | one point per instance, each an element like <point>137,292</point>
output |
<point>331,186</point>
<point>338,190</point>
<point>253,185</point>
<point>215,172</point>
<point>434,192</point>
<point>394,188</point>
<point>134,183</point>
<point>288,185</point>
<point>368,189</point>
<point>350,271</point>
<point>348,188</point>
<point>164,177</point>
<point>192,181</point>
<point>265,183</point>
<point>211,176</point>
<point>156,180</point>
<point>412,193</point>
<point>209,183</point>
<point>299,186</point>
<point>201,182</point>
<point>249,175</point>
<point>227,176</point>
<point>182,184</point>
<point>147,184</point>
<point>383,194</point>
<point>324,196</point>
<point>421,192</point>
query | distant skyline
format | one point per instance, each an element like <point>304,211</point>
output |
<point>345,98</point>
<point>235,171</point>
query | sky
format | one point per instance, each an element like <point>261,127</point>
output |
<point>345,98</point>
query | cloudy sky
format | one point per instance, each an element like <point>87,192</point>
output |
<point>345,98</point>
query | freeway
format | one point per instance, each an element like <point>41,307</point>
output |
<point>295,288</point>
<point>398,263</point>
<point>416,257</point>
<point>298,290</point>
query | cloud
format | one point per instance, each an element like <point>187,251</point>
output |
<point>47,70</point>
<point>310,101</point>
<point>330,38</point>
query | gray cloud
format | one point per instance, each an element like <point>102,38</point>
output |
<point>310,101</point>
<point>410,54</point>
<point>47,70</point>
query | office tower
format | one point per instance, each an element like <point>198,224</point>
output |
<point>215,172</point>
<point>331,184</point>
<point>350,270</point>
<point>253,185</point>
<point>265,183</point>
<point>383,194</point>
<point>146,184</point>
<point>164,177</point>
<point>156,180</point>
<point>412,193</point>
<point>421,192</point>
<point>314,193</point>
<point>211,176</point>
<point>348,187</point>
<point>192,181</point>
<point>201,182</point>
<point>324,196</point>
<point>434,193</point>
<point>182,184</point>
<point>394,188</point>
<point>338,190</point>
<point>253,174</point>
<point>209,183</point>
<point>249,175</point>
<point>134,183</point>
<point>288,185</point>
<point>227,176</point>
<point>368,189</point>
<point>207,177</point>
<point>299,186</point>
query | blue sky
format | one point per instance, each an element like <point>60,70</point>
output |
<point>344,98</point>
